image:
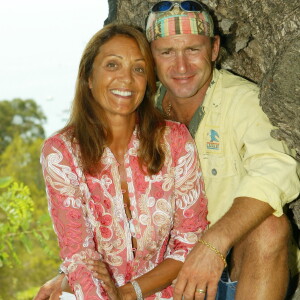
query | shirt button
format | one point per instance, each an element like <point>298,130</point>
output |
<point>214,172</point>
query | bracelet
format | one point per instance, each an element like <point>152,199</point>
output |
<point>211,247</point>
<point>137,289</point>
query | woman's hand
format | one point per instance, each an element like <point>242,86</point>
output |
<point>100,271</point>
<point>52,286</point>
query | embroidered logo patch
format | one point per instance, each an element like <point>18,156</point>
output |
<point>213,144</point>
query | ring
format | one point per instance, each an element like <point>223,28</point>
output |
<point>201,291</point>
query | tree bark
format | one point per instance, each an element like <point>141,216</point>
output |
<point>261,41</point>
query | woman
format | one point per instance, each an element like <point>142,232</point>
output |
<point>124,185</point>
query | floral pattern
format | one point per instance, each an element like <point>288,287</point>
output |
<point>168,210</point>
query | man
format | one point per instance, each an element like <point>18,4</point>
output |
<point>248,176</point>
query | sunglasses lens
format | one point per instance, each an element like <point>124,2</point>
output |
<point>191,6</point>
<point>162,6</point>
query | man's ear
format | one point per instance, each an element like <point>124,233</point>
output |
<point>215,48</point>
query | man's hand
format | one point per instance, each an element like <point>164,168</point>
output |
<point>203,267</point>
<point>51,286</point>
<point>199,275</point>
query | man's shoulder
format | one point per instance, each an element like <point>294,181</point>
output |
<point>237,91</point>
<point>231,81</point>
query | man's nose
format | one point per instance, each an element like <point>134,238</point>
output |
<point>181,63</point>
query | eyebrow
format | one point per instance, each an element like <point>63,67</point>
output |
<point>165,48</point>
<point>172,48</point>
<point>121,57</point>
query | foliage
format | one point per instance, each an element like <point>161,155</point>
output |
<point>20,117</point>
<point>21,160</point>
<point>28,294</point>
<point>16,209</point>
<point>18,226</point>
<point>28,245</point>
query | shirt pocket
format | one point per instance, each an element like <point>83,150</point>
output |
<point>217,157</point>
<point>217,166</point>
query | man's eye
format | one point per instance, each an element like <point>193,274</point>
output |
<point>165,53</point>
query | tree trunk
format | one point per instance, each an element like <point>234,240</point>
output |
<point>260,41</point>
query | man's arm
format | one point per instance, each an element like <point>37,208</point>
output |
<point>203,268</point>
<point>50,287</point>
<point>270,176</point>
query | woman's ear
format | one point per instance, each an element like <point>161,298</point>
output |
<point>90,83</point>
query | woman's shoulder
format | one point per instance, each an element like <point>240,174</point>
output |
<point>58,139</point>
<point>177,132</point>
<point>176,127</point>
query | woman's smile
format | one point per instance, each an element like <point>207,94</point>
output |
<point>118,81</point>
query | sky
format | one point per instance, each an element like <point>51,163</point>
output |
<point>41,42</point>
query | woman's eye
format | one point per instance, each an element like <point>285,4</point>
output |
<point>111,65</point>
<point>140,69</point>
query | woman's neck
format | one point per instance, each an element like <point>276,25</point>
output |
<point>121,130</point>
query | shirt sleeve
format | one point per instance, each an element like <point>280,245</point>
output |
<point>271,171</point>
<point>66,193</point>
<point>190,200</point>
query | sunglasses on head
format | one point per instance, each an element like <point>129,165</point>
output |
<point>184,5</point>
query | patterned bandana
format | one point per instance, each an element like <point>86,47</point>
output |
<point>177,21</point>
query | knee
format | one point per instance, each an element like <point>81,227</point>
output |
<point>271,237</point>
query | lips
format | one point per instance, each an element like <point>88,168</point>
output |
<point>122,93</point>
<point>182,78</point>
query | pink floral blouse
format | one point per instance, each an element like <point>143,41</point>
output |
<point>168,210</point>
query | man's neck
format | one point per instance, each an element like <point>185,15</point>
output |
<point>183,109</point>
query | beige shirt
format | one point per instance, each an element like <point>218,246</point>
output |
<point>238,156</point>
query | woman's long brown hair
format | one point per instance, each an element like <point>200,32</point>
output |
<point>88,123</point>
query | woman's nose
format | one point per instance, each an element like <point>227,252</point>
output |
<point>126,74</point>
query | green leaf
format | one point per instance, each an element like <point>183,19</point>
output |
<point>26,242</point>
<point>45,234</point>
<point>5,182</point>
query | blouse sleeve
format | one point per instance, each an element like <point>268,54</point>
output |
<point>66,193</point>
<point>190,199</point>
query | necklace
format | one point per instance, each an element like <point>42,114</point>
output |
<point>168,109</point>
